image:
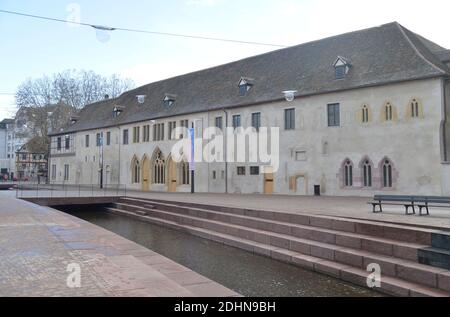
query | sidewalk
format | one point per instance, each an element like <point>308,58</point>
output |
<point>37,244</point>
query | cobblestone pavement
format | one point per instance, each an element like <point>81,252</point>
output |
<point>37,244</point>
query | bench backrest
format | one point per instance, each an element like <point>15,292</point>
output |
<point>415,199</point>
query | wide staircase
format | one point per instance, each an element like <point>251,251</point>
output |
<point>414,261</point>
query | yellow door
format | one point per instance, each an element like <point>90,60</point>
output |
<point>146,175</point>
<point>268,181</point>
<point>172,186</point>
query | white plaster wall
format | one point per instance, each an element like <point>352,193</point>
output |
<point>413,145</point>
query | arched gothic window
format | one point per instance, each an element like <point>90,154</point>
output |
<point>135,171</point>
<point>415,108</point>
<point>388,111</point>
<point>365,114</point>
<point>159,169</point>
<point>185,173</point>
<point>348,174</point>
<point>367,173</point>
<point>387,174</point>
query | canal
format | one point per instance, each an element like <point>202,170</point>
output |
<point>248,274</point>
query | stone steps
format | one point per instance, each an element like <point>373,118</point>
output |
<point>407,251</point>
<point>389,285</point>
<point>404,268</point>
<point>369,228</point>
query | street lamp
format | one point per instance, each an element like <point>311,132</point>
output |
<point>289,95</point>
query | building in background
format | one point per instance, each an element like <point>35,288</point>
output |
<point>368,113</point>
<point>31,165</point>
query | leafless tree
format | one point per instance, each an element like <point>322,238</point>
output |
<point>47,103</point>
<point>70,87</point>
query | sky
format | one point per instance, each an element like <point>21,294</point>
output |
<point>32,48</point>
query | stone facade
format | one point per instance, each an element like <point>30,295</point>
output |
<point>312,154</point>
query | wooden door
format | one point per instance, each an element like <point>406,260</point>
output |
<point>172,179</point>
<point>146,175</point>
<point>268,181</point>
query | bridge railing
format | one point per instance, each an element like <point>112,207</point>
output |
<point>36,190</point>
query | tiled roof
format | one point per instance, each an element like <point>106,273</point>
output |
<point>380,55</point>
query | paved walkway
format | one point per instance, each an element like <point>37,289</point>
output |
<point>352,207</point>
<point>37,244</point>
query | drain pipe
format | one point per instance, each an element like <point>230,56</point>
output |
<point>226,150</point>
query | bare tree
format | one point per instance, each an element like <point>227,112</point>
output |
<point>47,103</point>
<point>73,88</point>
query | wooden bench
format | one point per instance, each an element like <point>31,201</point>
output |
<point>410,202</point>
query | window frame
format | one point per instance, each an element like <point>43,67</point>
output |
<point>340,71</point>
<point>334,115</point>
<point>126,137</point>
<point>219,123</point>
<point>289,119</point>
<point>237,121</point>
<point>256,121</point>
<point>241,171</point>
<point>255,171</point>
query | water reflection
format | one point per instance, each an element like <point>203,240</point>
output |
<point>243,272</point>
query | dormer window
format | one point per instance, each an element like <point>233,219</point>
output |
<point>169,100</point>
<point>341,67</point>
<point>245,84</point>
<point>74,119</point>
<point>118,110</point>
<point>141,99</point>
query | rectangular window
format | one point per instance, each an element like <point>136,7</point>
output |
<point>108,138</point>
<point>99,139</point>
<point>256,121</point>
<point>58,143</point>
<point>66,172</point>
<point>289,119</point>
<point>125,137</point>
<point>67,143</point>
<point>334,116</point>
<point>301,156</point>
<point>236,121</point>
<point>146,133</point>
<point>158,132</point>
<point>214,176</point>
<point>219,123</point>
<point>241,170</point>
<point>172,127</point>
<point>136,134</point>
<point>87,140</point>
<point>254,170</point>
<point>54,172</point>
<point>184,124</point>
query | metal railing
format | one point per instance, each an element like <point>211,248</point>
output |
<point>36,190</point>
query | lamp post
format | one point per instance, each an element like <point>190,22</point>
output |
<point>101,159</point>
<point>225,133</point>
<point>192,158</point>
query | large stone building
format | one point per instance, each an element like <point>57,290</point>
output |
<point>370,115</point>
